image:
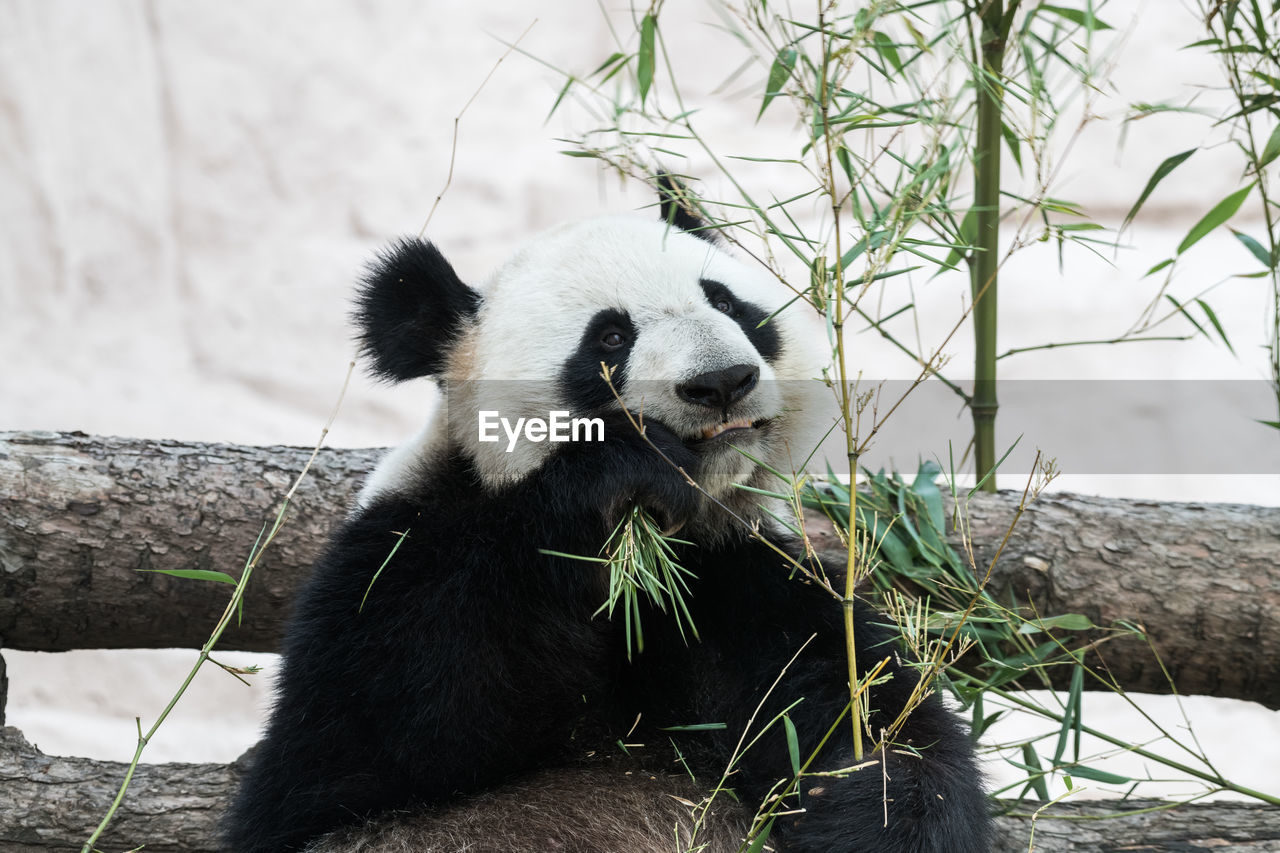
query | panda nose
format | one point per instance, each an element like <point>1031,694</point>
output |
<point>720,389</point>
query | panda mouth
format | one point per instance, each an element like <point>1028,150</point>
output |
<point>727,428</point>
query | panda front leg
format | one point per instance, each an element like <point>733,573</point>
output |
<point>774,644</point>
<point>917,791</point>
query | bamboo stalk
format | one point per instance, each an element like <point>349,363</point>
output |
<point>984,262</point>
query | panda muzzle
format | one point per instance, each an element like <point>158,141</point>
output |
<point>738,424</point>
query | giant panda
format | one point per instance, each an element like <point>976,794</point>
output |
<point>447,681</point>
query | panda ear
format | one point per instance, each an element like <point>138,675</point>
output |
<point>410,307</point>
<point>678,207</point>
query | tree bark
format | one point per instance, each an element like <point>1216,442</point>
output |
<point>1089,827</point>
<point>48,803</point>
<point>83,518</point>
<point>85,522</point>
<point>1202,579</point>
<point>53,803</point>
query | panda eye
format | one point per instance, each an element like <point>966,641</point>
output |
<point>613,340</point>
<point>723,304</point>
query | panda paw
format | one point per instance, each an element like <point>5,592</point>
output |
<point>666,486</point>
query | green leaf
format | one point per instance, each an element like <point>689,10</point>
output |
<point>195,574</point>
<point>845,159</point>
<point>1273,82</point>
<point>1271,150</point>
<point>887,49</point>
<point>1213,318</point>
<point>1079,17</point>
<point>1255,248</point>
<point>1071,714</point>
<point>779,74</point>
<point>793,744</point>
<point>763,838</point>
<point>1155,269</point>
<point>1221,212</point>
<point>696,727</point>
<point>1067,622</point>
<point>1036,781</point>
<point>400,537</point>
<point>1182,309</point>
<point>1082,772</point>
<point>644,62</point>
<point>1162,171</point>
<point>569,81</point>
<point>615,57</point>
<point>968,234</point>
<point>1011,141</point>
<point>928,490</point>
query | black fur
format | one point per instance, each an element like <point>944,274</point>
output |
<point>408,308</point>
<point>580,382</point>
<point>749,316</point>
<point>676,206</point>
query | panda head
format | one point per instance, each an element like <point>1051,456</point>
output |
<point>692,338</point>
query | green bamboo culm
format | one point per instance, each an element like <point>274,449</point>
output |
<point>984,261</point>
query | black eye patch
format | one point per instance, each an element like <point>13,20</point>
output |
<point>608,337</point>
<point>747,315</point>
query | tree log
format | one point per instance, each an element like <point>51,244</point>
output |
<point>53,803</point>
<point>49,803</point>
<point>1202,579</point>
<point>83,518</point>
<point>85,521</point>
<point>1142,825</point>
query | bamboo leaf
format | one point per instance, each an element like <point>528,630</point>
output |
<point>1186,315</point>
<point>1036,781</point>
<point>1162,171</point>
<point>758,845</point>
<point>1221,212</point>
<point>615,57</point>
<point>968,234</point>
<point>887,49</point>
<point>779,73</point>
<point>1066,621</point>
<point>1012,142</point>
<point>1213,318</point>
<point>793,744</point>
<point>194,574</point>
<point>1272,149</point>
<point>1082,772</point>
<point>978,486</point>
<point>1077,678</point>
<point>569,81</point>
<point>1070,714</point>
<point>644,61</point>
<point>1079,17</point>
<point>928,490</point>
<point>1255,248</point>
